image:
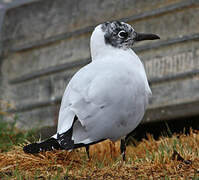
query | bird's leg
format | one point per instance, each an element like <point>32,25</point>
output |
<point>87,151</point>
<point>123,148</point>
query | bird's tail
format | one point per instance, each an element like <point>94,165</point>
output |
<point>62,141</point>
<point>47,145</point>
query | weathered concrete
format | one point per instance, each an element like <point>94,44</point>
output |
<point>45,42</point>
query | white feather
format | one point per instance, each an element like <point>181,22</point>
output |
<point>109,96</point>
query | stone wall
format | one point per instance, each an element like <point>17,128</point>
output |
<point>44,42</point>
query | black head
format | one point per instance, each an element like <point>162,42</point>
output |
<point>118,34</point>
<point>122,35</point>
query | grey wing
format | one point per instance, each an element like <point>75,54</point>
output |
<point>75,97</point>
<point>103,107</point>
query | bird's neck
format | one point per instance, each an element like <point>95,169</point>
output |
<point>98,46</point>
<point>101,51</point>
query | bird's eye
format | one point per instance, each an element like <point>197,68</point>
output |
<point>123,34</point>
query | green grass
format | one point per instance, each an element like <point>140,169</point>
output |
<point>11,136</point>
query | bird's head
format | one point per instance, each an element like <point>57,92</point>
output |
<point>118,35</point>
<point>122,35</point>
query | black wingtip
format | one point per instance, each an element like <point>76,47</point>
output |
<point>47,145</point>
<point>31,148</point>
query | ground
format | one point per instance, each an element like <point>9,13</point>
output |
<point>166,158</point>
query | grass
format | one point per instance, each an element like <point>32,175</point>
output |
<point>173,157</point>
<point>10,136</point>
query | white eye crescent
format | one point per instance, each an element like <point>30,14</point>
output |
<point>123,34</point>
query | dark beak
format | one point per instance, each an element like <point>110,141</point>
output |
<point>142,36</point>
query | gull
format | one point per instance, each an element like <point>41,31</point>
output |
<point>105,99</point>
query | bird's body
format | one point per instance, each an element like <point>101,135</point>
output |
<point>107,98</point>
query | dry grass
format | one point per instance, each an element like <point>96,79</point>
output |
<point>150,159</point>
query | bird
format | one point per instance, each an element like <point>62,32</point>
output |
<point>107,98</point>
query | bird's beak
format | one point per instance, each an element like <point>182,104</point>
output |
<point>143,36</point>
